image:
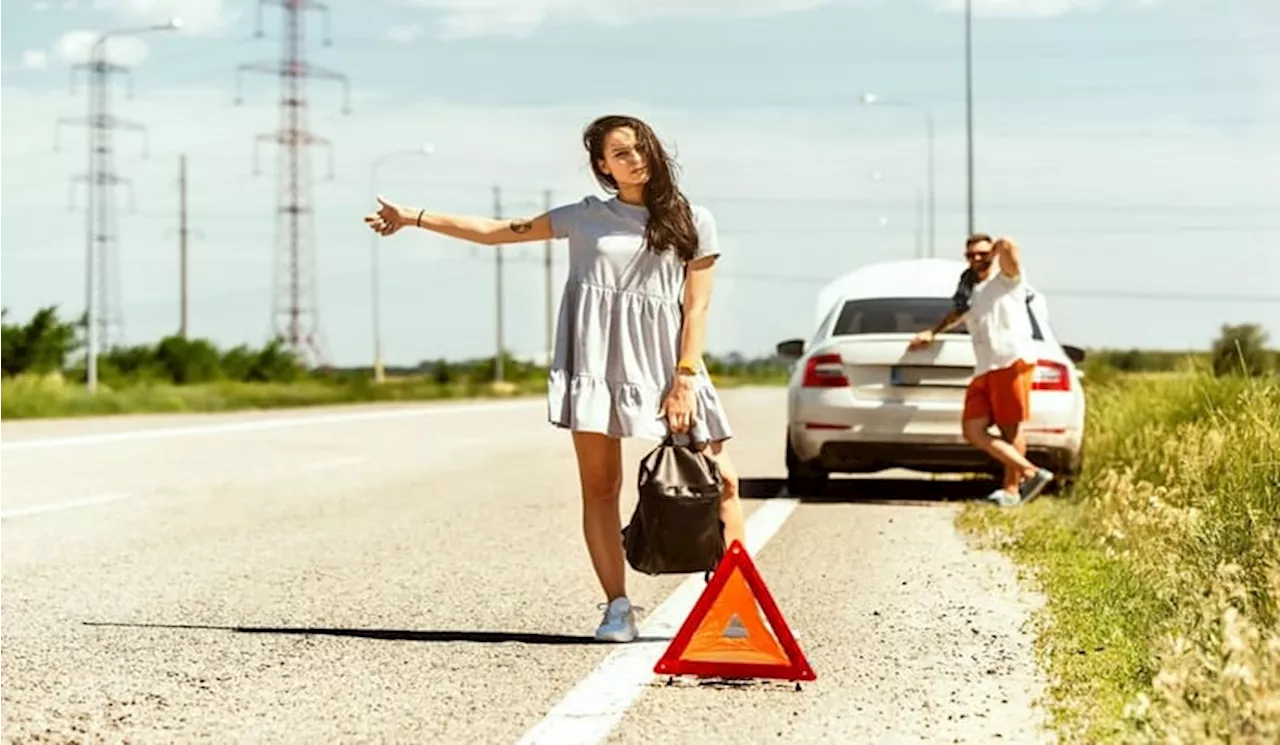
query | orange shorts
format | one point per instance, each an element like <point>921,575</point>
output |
<point>1001,396</point>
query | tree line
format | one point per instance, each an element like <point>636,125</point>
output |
<point>47,344</point>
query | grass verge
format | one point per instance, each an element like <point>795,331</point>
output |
<point>1161,569</point>
<point>35,397</point>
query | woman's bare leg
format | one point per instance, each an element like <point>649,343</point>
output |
<point>600,474</point>
<point>730,504</point>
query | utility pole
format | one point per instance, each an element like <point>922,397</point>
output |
<point>968,101</point>
<point>497,213</point>
<point>546,265</point>
<point>182,244</point>
<point>375,261</point>
<point>102,281</point>
<point>295,312</point>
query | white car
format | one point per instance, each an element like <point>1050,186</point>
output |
<point>858,401</point>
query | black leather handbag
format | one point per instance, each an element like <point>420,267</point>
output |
<point>676,526</point>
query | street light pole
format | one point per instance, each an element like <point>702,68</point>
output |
<point>98,116</point>
<point>379,374</point>
<point>968,103</point>
<point>873,99</point>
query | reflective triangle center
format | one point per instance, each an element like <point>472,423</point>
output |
<point>735,629</point>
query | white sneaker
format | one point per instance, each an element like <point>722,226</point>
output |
<point>619,622</point>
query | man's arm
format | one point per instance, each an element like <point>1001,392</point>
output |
<point>1006,252</point>
<point>926,337</point>
<point>948,321</point>
<point>959,308</point>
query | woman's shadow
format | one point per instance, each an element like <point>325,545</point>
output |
<point>920,492</point>
<point>403,635</point>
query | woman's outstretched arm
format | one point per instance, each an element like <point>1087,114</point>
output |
<point>489,231</point>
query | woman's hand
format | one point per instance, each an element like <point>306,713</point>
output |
<point>679,405</point>
<point>388,219</point>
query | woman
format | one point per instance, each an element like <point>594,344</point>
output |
<point>629,344</point>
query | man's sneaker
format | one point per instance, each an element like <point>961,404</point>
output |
<point>1032,487</point>
<point>1003,498</point>
<point>619,622</point>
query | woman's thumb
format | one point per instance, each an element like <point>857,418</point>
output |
<point>383,201</point>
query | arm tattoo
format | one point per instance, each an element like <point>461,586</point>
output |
<point>521,226</point>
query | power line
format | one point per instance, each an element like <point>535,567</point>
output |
<point>814,279</point>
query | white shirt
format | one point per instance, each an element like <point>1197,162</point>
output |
<point>999,323</point>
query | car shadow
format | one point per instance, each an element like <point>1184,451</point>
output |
<point>405,635</point>
<point>876,490</point>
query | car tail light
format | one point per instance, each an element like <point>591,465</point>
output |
<point>825,371</point>
<point>1051,376</point>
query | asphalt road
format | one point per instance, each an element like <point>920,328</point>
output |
<point>416,574</point>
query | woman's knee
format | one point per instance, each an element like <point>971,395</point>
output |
<point>599,466</point>
<point>975,431</point>
<point>602,488</point>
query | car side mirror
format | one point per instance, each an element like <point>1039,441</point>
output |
<point>791,348</point>
<point>1075,354</point>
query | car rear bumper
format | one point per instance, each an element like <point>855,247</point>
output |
<point>869,457</point>
<point>845,451</point>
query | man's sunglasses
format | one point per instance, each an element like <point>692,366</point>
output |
<point>977,254</point>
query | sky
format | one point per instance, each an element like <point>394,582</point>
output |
<point>1131,147</point>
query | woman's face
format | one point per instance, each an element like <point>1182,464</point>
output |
<point>623,159</point>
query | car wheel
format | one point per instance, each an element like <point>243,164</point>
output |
<point>1066,473</point>
<point>804,479</point>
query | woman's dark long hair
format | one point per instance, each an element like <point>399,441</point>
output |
<point>670,224</point>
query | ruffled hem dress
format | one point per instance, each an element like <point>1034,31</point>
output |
<point>617,339</point>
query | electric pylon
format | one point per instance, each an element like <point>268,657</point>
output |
<point>100,180</point>
<point>295,315</point>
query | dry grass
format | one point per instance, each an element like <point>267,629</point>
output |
<point>1162,569</point>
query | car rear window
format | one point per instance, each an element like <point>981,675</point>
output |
<point>901,316</point>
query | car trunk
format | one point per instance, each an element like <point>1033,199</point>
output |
<point>912,393</point>
<point>881,367</point>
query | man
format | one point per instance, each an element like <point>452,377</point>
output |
<point>994,305</point>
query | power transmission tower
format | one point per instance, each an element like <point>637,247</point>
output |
<point>102,260</point>
<point>295,315</point>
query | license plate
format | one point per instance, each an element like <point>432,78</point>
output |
<point>947,377</point>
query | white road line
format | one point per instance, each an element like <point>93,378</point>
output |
<point>263,424</point>
<point>334,463</point>
<point>59,506</point>
<point>591,710</point>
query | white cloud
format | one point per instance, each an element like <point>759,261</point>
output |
<point>404,34</point>
<point>73,47</point>
<point>40,6</point>
<point>198,16</point>
<point>468,18</point>
<point>1035,8</point>
<point>35,59</point>
<point>471,18</point>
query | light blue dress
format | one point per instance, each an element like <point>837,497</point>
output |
<point>618,335</point>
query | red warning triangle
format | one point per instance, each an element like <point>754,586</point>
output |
<point>724,635</point>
